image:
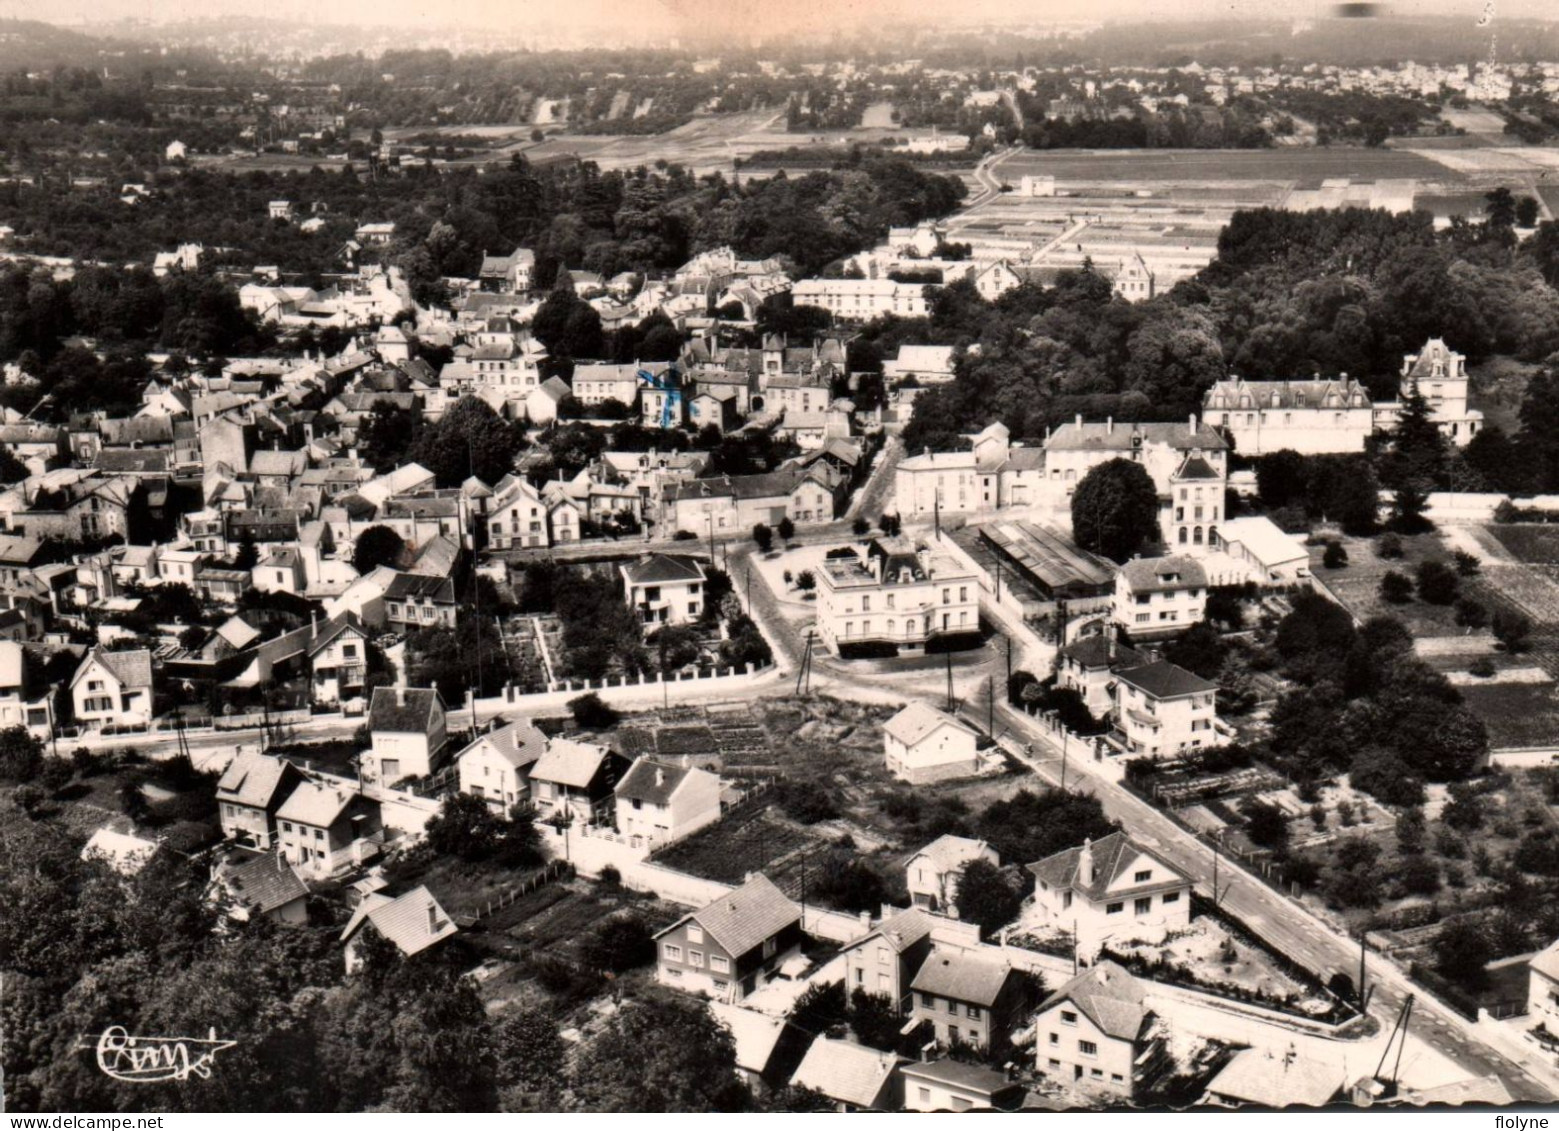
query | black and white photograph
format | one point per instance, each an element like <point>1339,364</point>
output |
<point>779,557</point>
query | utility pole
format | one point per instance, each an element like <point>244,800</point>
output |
<point>990,707</point>
<point>710,515</point>
<point>1063,759</point>
<point>1363,997</point>
<point>949,656</point>
<point>998,577</point>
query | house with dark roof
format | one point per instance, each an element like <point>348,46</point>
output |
<point>885,960</point>
<point>496,766</point>
<point>729,948</point>
<point>1087,666</point>
<point>338,660</point>
<point>664,588</point>
<point>415,600</point>
<point>970,998</point>
<point>113,688</point>
<point>247,886</point>
<point>1099,1034</point>
<point>659,803</point>
<point>413,922</point>
<point>953,1085</point>
<point>1160,708</point>
<point>576,780</point>
<point>409,730</point>
<point>801,492</point>
<point>250,792</point>
<point>1159,598</point>
<point>1109,889</point>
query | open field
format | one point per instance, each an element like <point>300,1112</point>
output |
<point>1170,166</point>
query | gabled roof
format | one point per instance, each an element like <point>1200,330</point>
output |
<point>1155,575</point>
<point>263,883</point>
<point>404,586</point>
<point>409,710</point>
<point>570,763</point>
<point>1256,1076</point>
<point>961,976</point>
<point>519,743</point>
<point>755,1034</point>
<point>846,1072</point>
<point>1546,962</point>
<point>900,931</point>
<point>334,627</point>
<point>654,782</point>
<point>125,853</point>
<point>745,916</point>
<point>1097,651</point>
<point>133,670</point>
<point>252,779</point>
<point>1111,998</point>
<point>949,852</point>
<point>314,804</point>
<point>918,720</point>
<point>413,921</point>
<point>1108,859</point>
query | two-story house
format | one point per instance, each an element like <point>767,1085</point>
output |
<point>1157,598</point>
<point>338,659</point>
<point>1108,889</point>
<point>1087,666</point>
<point>113,688</point>
<point>250,793</point>
<point>18,705</point>
<point>662,803</point>
<point>325,829</point>
<point>885,960</point>
<point>409,730</point>
<point>922,745</point>
<point>932,874</point>
<point>1160,708</point>
<point>664,589</point>
<point>732,946</point>
<point>970,998</point>
<point>1099,1033</point>
<point>897,595</point>
<point>576,780</point>
<point>1543,991</point>
<point>855,1077</point>
<point>516,516</point>
<point>496,766</point>
<point>414,601</point>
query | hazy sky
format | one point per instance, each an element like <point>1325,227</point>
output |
<point>755,17</point>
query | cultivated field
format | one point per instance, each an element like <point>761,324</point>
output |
<point>1169,166</point>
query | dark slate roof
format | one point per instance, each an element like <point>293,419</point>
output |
<point>421,586</point>
<point>659,568</point>
<point>962,977</point>
<point>1094,652</point>
<point>651,782</point>
<point>410,710</point>
<point>742,918</point>
<point>1110,997</point>
<point>1164,680</point>
<point>264,883</point>
<point>1195,467</point>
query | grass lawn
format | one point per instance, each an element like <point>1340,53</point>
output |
<point>1516,714</point>
<point>1357,585</point>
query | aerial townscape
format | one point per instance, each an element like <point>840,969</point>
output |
<point>991,562</point>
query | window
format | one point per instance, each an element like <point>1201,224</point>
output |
<point>674,953</point>
<point>1143,876</point>
<point>719,963</point>
<point>1112,908</point>
<point>286,826</point>
<point>1171,897</point>
<point>1142,906</point>
<point>882,955</point>
<point>1053,1063</point>
<point>860,977</point>
<point>696,958</point>
<point>1096,1072</point>
<point>770,945</point>
<point>695,933</point>
<point>927,1001</point>
<point>1055,1038</point>
<point>1116,1078</point>
<point>1087,1048</point>
<point>973,1011</point>
<point>1068,1017</point>
<point>319,834</point>
<point>952,1034</point>
<point>925,1095</point>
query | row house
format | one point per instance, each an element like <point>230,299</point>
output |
<point>250,794</point>
<point>415,601</point>
<point>994,473</point>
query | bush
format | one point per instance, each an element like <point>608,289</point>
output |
<point>1419,875</point>
<point>56,774</point>
<point>1335,557</point>
<point>785,529</point>
<point>763,537</point>
<point>1395,588</point>
<point>806,801</point>
<point>1482,667</point>
<point>1382,774</point>
<point>1466,564</point>
<point>591,712</point>
<point>619,944</point>
<point>1471,613</point>
<point>684,536</point>
<point>1388,546</point>
<point>1512,629</point>
<point>610,878</point>
<point>1437,583</point>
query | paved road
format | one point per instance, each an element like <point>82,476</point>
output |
<point>1286,926</point>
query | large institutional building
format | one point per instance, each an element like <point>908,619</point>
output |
<point>1336,415</point>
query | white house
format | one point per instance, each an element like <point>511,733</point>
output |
<point>17,707</point>
<point>413,922</point>
<point>664,589</point>
<point>663,803</point>
<point>1156,598</point>
<point>338,661</point>
<point>900,594</point>
<point>1108,889</point>
<point>113,688</point>
<point>327,828</point>
<point>923,745</point>
<point>516,516</point>
<point>932,874</point>
<point>1160,708</point>
<point>1273,556</point>
<point>409,731</point>
<point>497,765</point>
<point>1099,1033</point>
<point>1543,990</point>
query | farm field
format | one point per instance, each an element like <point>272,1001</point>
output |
<point>1159,166</point>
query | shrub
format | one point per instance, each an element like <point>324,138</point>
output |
<point>806,581</point>
<point>1512,629</point>
<point>785,529</point>
<point>1335,557</point>
<point>763,537</point>
<point>619,944</point>
<point>610,878</point>
<point>1388,546</point>
<point>1471,613</point>
<point>806,801</point>
<point>684,536</point>
<point>1437,583</point>
<point>56,774</point>
<point>1482,667</point>
<point>591,712</point>
<point>1466,564</point>
<point>1395,588</point>
<point>860,527</point>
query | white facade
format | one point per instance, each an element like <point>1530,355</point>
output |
<point>861,300</point>
<point>1113,889</point>
<point>903,597</point>
<point>1158,597</point>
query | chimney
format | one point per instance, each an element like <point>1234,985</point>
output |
<point>1193,424</point>
<point>660,775</point>
<point>1085,862</point>
<point>432,918</point>
<point>1079,420</point>
<point>1109,426</point>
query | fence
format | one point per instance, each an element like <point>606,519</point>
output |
<point>548,875</point>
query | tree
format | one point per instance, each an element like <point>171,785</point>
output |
<point>469,439</point>
<point>661,1055</point>
<point>1500,207</point>
<point>248,555</point>
<point>1395,588</point>
<point>1115,510</point>
<point>987,897</point>
<point>21,755</point>
<point>1527,211</point>
<point>619,944</point>
<point>1464,808</point>
<point>1380,772</point>
<point>763,537</point>
<point>806,581</point>
<point>1462,952</point>
<point>1265,824</point>
<point>1031,826</point>
<point>786,529</point>
<point>1437,583</point>
<point>464,827</point>
<point>1199,650</point>
<point>1334,557</point>
<point>528,1050</point>
<point>377,546</point>
<point>1513,629</point>
<point>1410,830</point>
<point>821,1007</point>
<point>1471,614</point>
<point>592,712</point>
<point>860,526</point>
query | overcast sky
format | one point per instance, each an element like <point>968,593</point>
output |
<point>760,17</point>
